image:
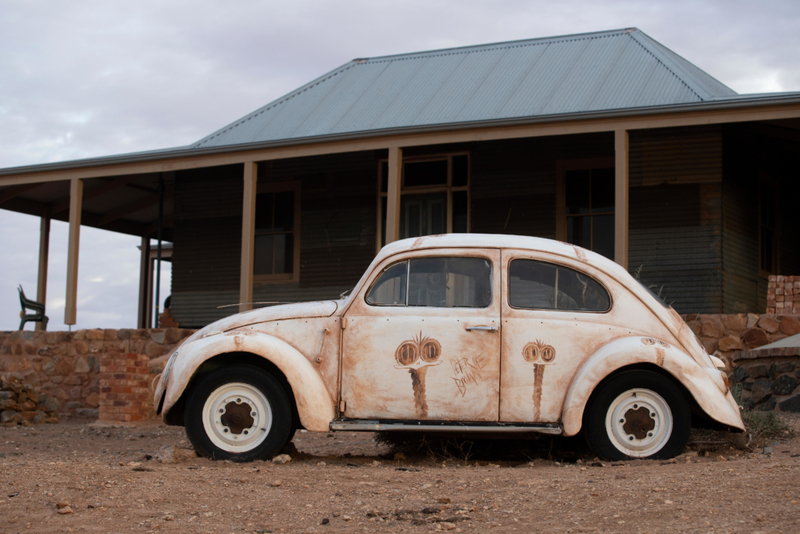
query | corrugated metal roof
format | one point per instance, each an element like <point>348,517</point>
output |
<point>601,71</point>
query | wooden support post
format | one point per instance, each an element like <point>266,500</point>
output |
<point>44,251</point>
<point>248,236</point>
<point>75,201</point>
<point>393,194</point>
<point>621,197</point>
<point>144,284</point>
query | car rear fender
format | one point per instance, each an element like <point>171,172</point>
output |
<point>314,404</point>
<point>704,384</point>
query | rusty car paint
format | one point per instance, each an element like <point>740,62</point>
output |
<point>314,404</point>
<point>326,362</point>
<point>703,386</point>
<point>465,387</point>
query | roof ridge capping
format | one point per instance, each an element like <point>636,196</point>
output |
<point>499,44</point>
<point>699,81</point>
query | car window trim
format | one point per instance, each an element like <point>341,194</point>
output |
<point>508,286</point>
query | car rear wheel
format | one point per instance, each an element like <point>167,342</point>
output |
<point>238,413</point>
<point>638,414</point>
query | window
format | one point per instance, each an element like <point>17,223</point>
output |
<point>544,286</point>
<point>767,227</point>
<point>586,190</point>
<point>435,282</point>
<point>433,196</point>
<point>276,227</point>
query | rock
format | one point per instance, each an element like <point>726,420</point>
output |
<point>51,405</point>
<point>752,320</point>
<point>768,324</point>
<point>171,454</point>
<point>757,371</point>
<point>324,521</point>
<point>65,510</point>
<point>734,324</point>
<point>399,456</point>
<point>157,336</point>
<point>768,450</point>
<point>276,484</point>
<point>444,525</point>
<point>81,366</point>
<point>754,337</point>
<point>791,405</point>
<point>93,399</point>
<point>711,326</point>
<point>10,416</point>
<point>95,334</point>
<point>730,343</point>
<point>784,385</point>
<point>61,504</point>
<point>790,326</point>
<point>282,459</point>
<point>761,390</point>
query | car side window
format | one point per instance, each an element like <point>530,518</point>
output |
<point>545,286</point>
<point>441,282</point>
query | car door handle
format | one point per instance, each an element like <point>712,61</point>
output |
<point>482,328</point>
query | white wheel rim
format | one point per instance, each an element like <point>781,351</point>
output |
<point>225,417</point>
<point>628,425</point>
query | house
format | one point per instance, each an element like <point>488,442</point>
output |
<point>608,140</point>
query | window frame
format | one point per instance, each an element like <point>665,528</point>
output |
<point>295,187</point>
<point>447,188</point>
<point>564,166</point>
<point>408,261</point>
<point>507,267</point>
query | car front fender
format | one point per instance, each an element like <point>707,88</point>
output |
<point>314,403</point>
<point>704,384</point>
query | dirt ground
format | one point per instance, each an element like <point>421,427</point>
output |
<point>110,479</point>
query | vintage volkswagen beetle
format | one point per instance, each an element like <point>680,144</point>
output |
<point>455,333</point>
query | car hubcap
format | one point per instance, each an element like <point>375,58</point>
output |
<point>237,417</point>
<point>639,422</point>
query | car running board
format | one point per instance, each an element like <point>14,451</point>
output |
<point>378,426</point>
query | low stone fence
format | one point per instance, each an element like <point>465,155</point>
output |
<point>769,378</point>
<point>725,335</point>
<point>66,365</point>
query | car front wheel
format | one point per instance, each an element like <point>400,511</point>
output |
<point>638,414</point>
<point>238,413</point>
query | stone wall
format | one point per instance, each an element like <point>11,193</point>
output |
<point>725,335</point>
<point>769,378</point>
<point>66,365</point>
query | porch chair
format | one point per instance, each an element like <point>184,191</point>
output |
<point>32,305</point>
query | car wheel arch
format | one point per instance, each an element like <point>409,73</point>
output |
<point>313,405</point>
<point>625,354</point>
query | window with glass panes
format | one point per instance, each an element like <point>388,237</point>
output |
<point>589,199</point>
<point>275,229</point>
<point>434,197</point>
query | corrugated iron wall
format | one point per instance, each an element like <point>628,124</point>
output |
<point>676,215</point>
<point>513,183</point>
<point>337,239</point>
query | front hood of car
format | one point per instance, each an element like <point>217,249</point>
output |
<point>300,310</point>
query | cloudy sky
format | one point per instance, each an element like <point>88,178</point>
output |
<point>91,78</point>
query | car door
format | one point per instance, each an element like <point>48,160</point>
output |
<point>555,315</point>
<point>422,341</point>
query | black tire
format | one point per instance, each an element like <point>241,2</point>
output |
<point>637,415</point>
<point>238,413</point>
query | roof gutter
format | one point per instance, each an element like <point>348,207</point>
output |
<point>726,104</point>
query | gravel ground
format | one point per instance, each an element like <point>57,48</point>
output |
<point>145,479</point>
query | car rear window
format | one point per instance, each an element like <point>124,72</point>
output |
<point>440,282</point>
<point>546,286</point>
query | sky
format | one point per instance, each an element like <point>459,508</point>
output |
<point>93,78</point>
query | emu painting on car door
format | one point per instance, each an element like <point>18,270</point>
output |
<point>422,340</point>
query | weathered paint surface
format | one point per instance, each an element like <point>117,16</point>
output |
<point>497,363</point>
<point>314,405</point>
<point>460,384</point>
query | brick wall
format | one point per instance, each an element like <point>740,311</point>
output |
<point>124,388</point>
<point>783,294</point>
<point>66,365</point>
